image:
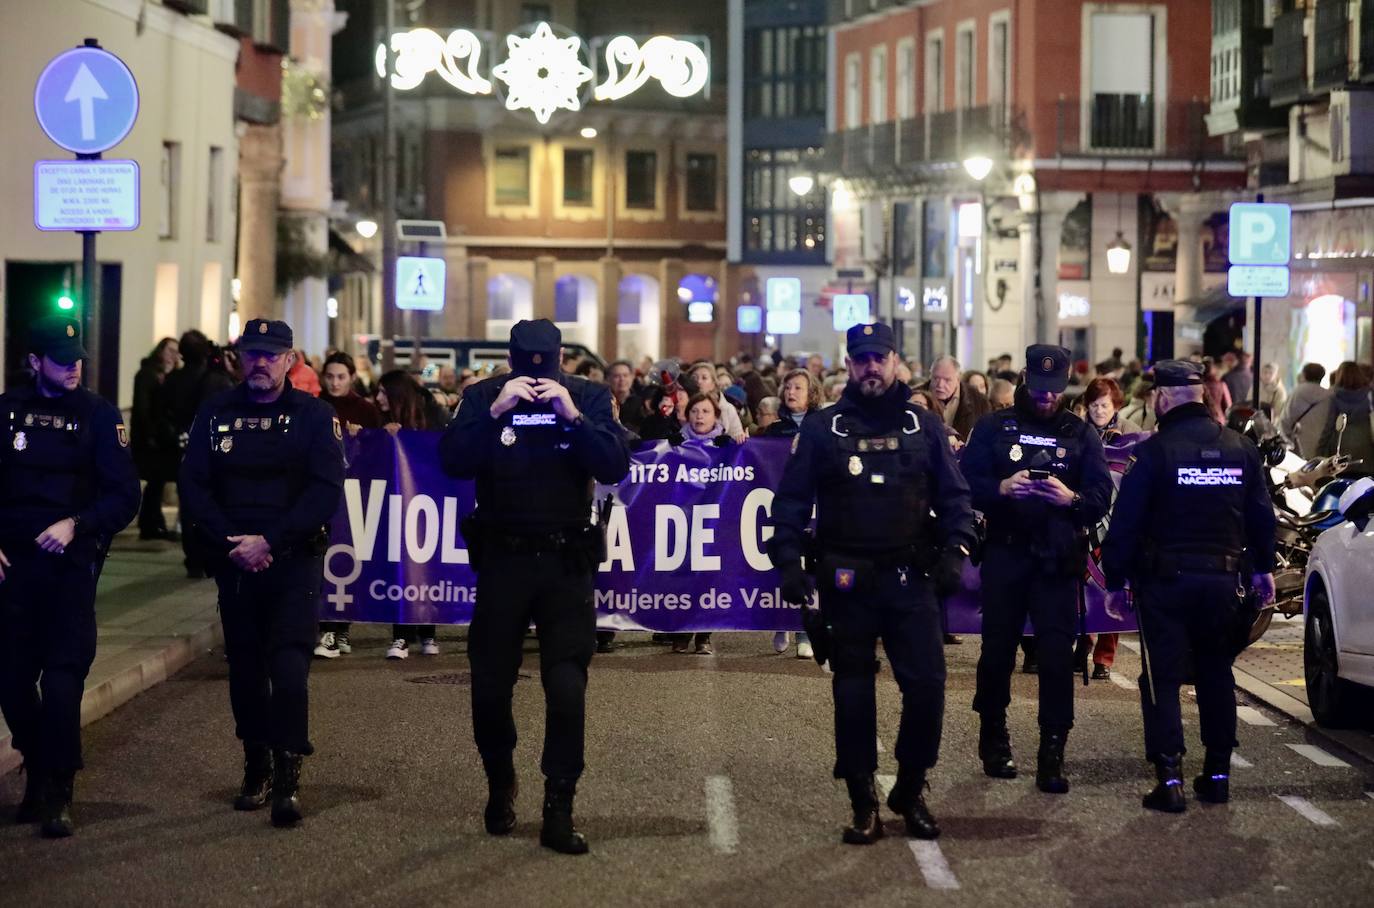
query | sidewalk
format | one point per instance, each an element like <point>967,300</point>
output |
<point>151,622</point>
<point>1271,670</point>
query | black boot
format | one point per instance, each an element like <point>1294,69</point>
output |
<point>994,748</point>
<point>558,832</point>
<point>1167,796</point>
<point>286,781</point>
<point>867,827</point>
<point>31,808</point>
<point>257,777</point>
<point>57,806</point>
<point>1049,768</point>
<point>502,789</point>
<point>1214,785</point>
<point>908,798</point>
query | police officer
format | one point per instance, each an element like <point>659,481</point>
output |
<point>1192,526</point>
<point>1039,475</point>
<point>535,440</point>
<point>263,475</point>
<point>67,485</point>
<point>875,466</point>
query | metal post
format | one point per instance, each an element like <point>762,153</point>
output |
<point>90,318</point>
<point>388,339</point>
<point>1255,360</point>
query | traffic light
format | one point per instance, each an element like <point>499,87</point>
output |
<point>65,302</point>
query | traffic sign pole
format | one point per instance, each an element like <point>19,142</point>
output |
<point>1257,360</point>
<point>90,320</point>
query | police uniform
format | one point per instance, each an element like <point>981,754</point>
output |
<point>64,454</point>
<point>275,470</point>
<point>1034,559</point>
<point>1191,523</point>
<point>535,551</point>
<point>875,469</point>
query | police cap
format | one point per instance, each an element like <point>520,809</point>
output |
<point>1177,373</point>
<point>874,338</point>
<point>261,335</point>
<point>1047,368</point>
<point>535,348</point>
<point>58,338</point>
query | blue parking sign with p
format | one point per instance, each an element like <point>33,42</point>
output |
<point>1261,233</point>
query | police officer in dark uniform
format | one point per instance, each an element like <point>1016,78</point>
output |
<point>875,467</point>
<point>67,485</point>
<point>1039,475</point>
<point>535,440</point>
<point>1192,527</point>
<point>263,475</point>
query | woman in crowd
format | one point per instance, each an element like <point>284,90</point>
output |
<point>1214,391</point>
<point>1273,395</point>
<point>703,425</point>
<point>1350,397</point>
<point>977,381</point>
<point>1141,408</point>
<point>156,449</point>
<point>702,375</point>
<point>403,405</point>
<point>801,394</point>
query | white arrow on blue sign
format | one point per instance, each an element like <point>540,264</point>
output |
<point>86,100</point>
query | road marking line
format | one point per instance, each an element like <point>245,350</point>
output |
<point>885,784</point>
<point>1370,795</point>
<point>1131,645</point>
<point>1121,680</point>
<point>880,745</point>
<point>1311,811</point>
<point>933,865</point>
<point>1319,756</point>
<point>1240,762</point>
<point>720,814</point>
<point>1251,716</point>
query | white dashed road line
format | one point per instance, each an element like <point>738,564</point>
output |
<point>1121,680</point>
<point>1251,716</point>
<point>1239,762</point>
<point>720,814</point>
<point>1311,811</point>
<point>885,784</point>
<point>880,745</point>
<point>1131,645</point>
<point>933,865</point>
<point>1319,756</point>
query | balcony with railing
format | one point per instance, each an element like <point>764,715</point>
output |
<point>1289,56</point>
<point>1131,126</point>
<point>904,146</point>
<point>1330,45</point>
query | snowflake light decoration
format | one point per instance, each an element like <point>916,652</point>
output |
<point>543,73</point>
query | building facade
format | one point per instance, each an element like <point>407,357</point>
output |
<point>608,218</point>
<point>984,156</point>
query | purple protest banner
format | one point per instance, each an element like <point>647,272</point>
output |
<point>686,542</point>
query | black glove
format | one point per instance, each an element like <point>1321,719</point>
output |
<point>949,572</point>
<point>796,586</point>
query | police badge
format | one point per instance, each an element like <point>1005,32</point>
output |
<point>21,441</point>
<point>226,444</point>
<point>1015,454</point>
<point>508,436</point>
<point>856,466</point>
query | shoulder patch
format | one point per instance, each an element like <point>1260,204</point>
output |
<point>122,434</point>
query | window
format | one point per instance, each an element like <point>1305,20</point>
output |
<point>853,81</point>
<point>535,12</point>
<point>785,72</point>
<point>906,80</point>
<point>701,182</point>
<point>214,194</point>
<point>935,73</point>
<point>169,181</point>
<point>963,67</point>
<point>778,223</point>
<point>1122,76</point>
<point>641,179</point>
<point>577,177</point>
<point>512,175</point>
<point>999,63</point>
<point>877,85</point>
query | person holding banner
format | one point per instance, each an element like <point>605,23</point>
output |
<point>876,467</point>
<point>263,475</point>
<point>1192,528</point>
<point>1040,477</point>
<point>535,441</point>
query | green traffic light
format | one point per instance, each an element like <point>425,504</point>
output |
<point>65,302</point>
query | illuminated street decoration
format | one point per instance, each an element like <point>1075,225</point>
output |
<point>543,73</point>
<point>421,51</point>
<point>679,66</point>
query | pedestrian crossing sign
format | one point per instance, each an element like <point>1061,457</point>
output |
<point>420,283</point>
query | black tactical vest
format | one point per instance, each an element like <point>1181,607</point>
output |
<point>48,457</point>
<point>259,458</point>
<point>1199,497</point>
<point>878,497</point>
<point>536,483</point>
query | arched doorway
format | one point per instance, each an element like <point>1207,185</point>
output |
<point>575,309</point>
<point>638,318</point>
<point>510,298</point>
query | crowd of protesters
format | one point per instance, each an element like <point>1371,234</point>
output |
<point>721,404</point>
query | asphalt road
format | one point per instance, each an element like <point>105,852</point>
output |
<point>708,784</point>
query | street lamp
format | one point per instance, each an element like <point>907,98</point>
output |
<point>978,166</point>
<point>1119,255</point>
<point>588,132</point>
<point>801,184</point>
<point>366,228</point>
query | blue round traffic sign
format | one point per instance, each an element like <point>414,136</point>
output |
<point>86,100</point>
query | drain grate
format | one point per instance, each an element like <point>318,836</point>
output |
<point>460,679</point>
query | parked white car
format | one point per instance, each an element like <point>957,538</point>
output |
<point>1338,603</point>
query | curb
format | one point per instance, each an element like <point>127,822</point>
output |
<point>1360,744</point>
<point>104,697</point>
